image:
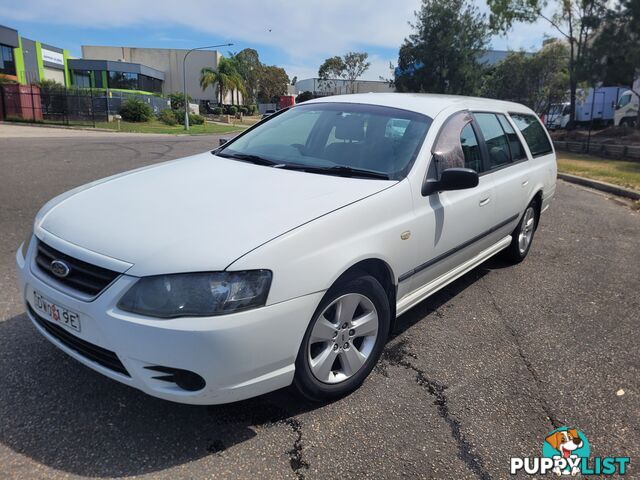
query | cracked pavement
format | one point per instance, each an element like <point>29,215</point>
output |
<point>478,373</point>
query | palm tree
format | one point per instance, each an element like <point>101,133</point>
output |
<point>211,78</point>
<point>225,78</point>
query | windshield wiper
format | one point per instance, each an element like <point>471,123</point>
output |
<point>258,160</point>
<point>339,170</point>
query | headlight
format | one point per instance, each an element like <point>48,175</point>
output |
<point>197,294</point>
<point>24,248</point>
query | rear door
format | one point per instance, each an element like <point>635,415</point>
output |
<point>508,167</point>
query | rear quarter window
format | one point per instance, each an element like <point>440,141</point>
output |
<point>533,133</point>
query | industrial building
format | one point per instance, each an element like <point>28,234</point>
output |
<point>320,87</point>
<point>143,65</point>
<point>29,61</point>
<point>151,71</point>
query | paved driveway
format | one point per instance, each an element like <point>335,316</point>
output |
<point>479,373</point>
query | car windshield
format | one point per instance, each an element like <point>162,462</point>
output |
<point>335,138</point>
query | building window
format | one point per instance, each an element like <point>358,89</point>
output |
<point>97,79</point>
<point>123,80</point>
<point>7,63</point>
<point>149,84</point>
<point>82,78</point>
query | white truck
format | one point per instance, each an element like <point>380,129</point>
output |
<point>627,107</point>
<point>601,102</point>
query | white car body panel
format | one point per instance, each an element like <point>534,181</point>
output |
<point>187,220</point>
<point>207,213</point>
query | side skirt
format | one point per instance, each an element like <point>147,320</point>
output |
<point>412,299</point>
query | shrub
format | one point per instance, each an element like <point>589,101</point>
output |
<point>304,96</point>
<point>134,110</point>
<point>168,117</point>
<point>217,111</point>
<point>177,101</point>
<point>195,119</point>
<point>252,109</point>
<point>244,110</point>
<point>233,110</point>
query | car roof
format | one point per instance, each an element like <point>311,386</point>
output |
<point>426,103</point>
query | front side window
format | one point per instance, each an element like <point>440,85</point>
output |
<point>370,138</point>
<point>495,139</point>
<point>533,132</point>
<point>471,149</point>
<point>624,100</point>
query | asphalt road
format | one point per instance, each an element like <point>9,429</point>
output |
<point>477,374</point>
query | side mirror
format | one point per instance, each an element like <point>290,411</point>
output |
<point>222,141</point>
<point>451,179</point>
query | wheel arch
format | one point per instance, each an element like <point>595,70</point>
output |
<point>537,198</point>
<point>381,271</point>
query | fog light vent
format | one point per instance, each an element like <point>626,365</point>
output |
<point>184,379</point>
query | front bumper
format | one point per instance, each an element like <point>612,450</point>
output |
<point>239,355</point>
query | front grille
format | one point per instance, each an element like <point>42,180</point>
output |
<point>100,355</point>
<point>84,277</point>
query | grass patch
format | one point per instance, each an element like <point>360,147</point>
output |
<point>618,172</point>
<point>154,126</point>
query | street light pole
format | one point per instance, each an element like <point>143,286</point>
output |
<point>184,79</point>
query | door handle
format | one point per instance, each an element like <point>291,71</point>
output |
<point>525,182</point>
<point>484,201</point>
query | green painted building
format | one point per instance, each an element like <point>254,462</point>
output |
<point>29,61</point>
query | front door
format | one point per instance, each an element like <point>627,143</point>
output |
<point>454,226</point>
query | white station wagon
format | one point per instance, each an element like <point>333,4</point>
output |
<point>285,255</point>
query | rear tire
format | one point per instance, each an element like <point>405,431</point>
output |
<point>522,236</point>
<point>344,339</point>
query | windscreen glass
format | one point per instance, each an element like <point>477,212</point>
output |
<point>325,135</point>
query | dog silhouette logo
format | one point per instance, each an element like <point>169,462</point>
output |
<point>569,444</point>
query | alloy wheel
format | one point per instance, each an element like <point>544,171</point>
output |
<point>343,338</point>
<point>526,229</point>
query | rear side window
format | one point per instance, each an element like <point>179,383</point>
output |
<point>517,150</point>
<point>495,139</point>
<point>533,133</point>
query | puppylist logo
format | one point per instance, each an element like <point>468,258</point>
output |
<point>566,451</point>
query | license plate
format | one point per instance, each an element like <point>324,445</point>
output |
<point>56,313</point>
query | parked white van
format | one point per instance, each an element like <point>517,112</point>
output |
<point>627,108</point>
<point>285,255</point>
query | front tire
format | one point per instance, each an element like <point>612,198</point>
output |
<point>344,340</point>
<point>522,236</point>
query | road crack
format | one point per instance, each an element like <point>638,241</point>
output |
<point>555,423</point>
<point>296,459</point>
<point>398,355</point>
<point>257,412</point>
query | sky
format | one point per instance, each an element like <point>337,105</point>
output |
<point>296,35</point>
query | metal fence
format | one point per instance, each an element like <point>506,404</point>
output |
<point>87,107</point>
<point>616,151</point>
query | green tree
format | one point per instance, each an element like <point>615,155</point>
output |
<point>330,70</point>
<point>441,55</point>
<point>225,79</point>
<point>273,83</point>
<point>247,64</point>
<point>349,67</point>
<point>304,96</point>
<point>615,52</point>
<point>575,20</point>
<point>48,85</point>
<point>536,80</point>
